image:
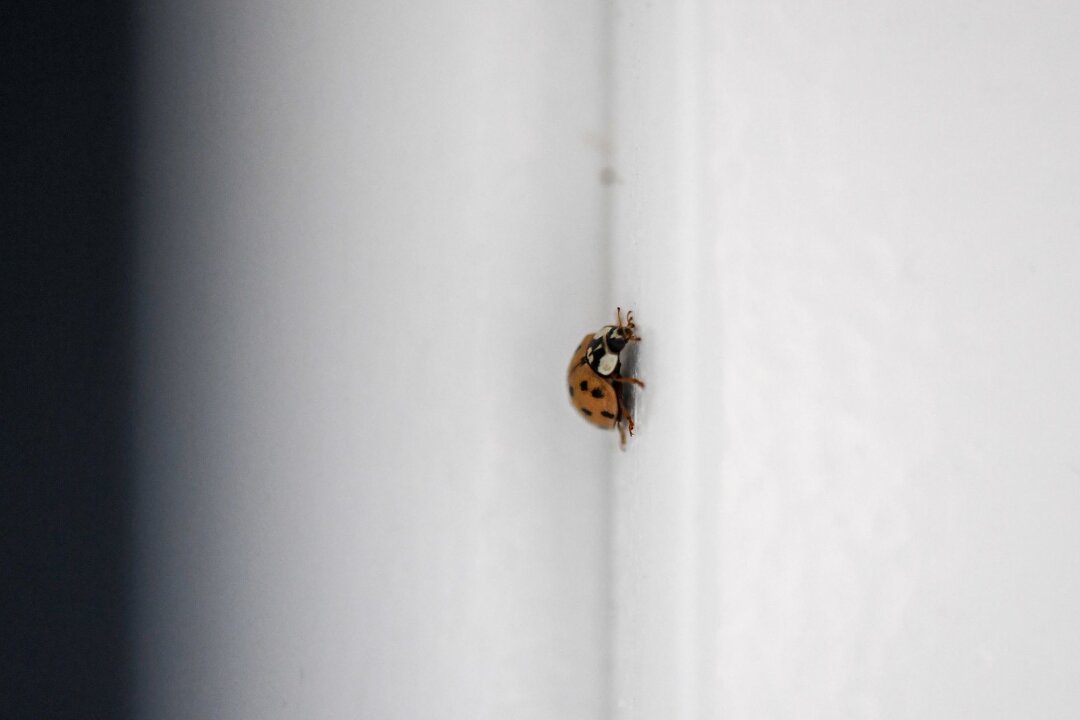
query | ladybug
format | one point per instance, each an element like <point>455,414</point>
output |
<point>594,379</point>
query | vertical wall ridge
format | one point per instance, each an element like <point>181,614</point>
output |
<point>658,254</point>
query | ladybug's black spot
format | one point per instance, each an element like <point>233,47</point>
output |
<point>584,385</point>
<point>606,414</point>
<point>597,393</point>
<point>571,391</point>
<point>586,411</point>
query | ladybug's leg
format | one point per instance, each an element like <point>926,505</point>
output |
<point>630,380</point>
<point>622,435</point>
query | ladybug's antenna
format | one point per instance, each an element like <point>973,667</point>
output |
<point>628,326</point>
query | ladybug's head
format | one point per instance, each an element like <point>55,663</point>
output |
<point>603,352</point>
<point>616,338</point>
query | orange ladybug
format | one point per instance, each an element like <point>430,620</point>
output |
<point>595,381</point>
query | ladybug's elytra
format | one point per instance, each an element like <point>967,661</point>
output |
<point>594,376</point>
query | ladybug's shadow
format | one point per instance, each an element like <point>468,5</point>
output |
<point>628,366</point>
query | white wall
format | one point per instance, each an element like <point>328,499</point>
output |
<point>851,235</point>
<point>372,234</point>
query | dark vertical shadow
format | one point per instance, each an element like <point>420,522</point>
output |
<point>66,114</point>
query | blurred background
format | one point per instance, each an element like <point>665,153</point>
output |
<point>67,112</point>
<point>290,291</point>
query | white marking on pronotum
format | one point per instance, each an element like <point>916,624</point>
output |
<point>608,363</point>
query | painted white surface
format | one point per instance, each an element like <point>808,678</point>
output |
<point>371,234</point>
<point>851,235</point>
